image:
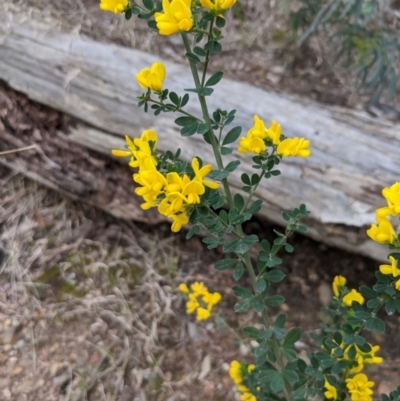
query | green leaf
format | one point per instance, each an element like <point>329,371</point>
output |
<point>214,79</point>
<point>277,382</point>
<point>255,207</point>
<point>258,304</point>
<point>241,247</point>
<point>374,323</point>
<point>199,51</point>
<point>189,130</point>
<point>251,332</point>
<point>280,320</point>
<point>218,174</point>
<point>232,166</point>
<point>174,98</point>
<point>266,245</point>
<point>202,128</point>
<point>362,315</point>
<point>185,121</point>
<point>185,100</point>
<point>250,239</point>
<point>368,292</point>
<point>220,22</point>
<point>288,248</point>
<point>206,91</point>
<point>275,276</point>
<point>242,292</point>
<point>128,14</point>
<point>292,336</point>
<point>226,151</point>
<point>261,286</point>
<point>290,375</point>
<point>243,305</point>
<point>192,57</point>
<point>238,272</point>
<point>290,354</point>
<point>232,136</point>
<point>245,178</point>
<point>275,300</point>
<point>148,4</point>
<point>225,264</point>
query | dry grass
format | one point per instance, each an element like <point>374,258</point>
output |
<point>89,307</point>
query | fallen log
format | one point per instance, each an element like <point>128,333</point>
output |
<point>354,155</point>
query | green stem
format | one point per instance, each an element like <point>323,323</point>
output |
<point>251,193</point>
<point>220,319</point>
<point>207,60</point>
<point>229,198</point>
<point>207,119</point>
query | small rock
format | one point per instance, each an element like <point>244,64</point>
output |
<point>205,367</point>
<point>7,393</point>
<point>17,370</point>
<point>193,331</point>
<point>244,349</point>
<point>325,293</point>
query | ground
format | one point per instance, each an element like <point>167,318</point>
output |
<point>89,305</point>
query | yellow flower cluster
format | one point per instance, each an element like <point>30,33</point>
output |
<point>392,269</point>
<point>383,232</point>
<point>217,6</point>
<point>353,295</point>
<point>177,16</point>
<point>359,388</point>
<point>152,77</point>
<point>172,193</point>
<point>115,6</point>
<point>259,137</point>
<point>238,371</point>
<point>200,300</point>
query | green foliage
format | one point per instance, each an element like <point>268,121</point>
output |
<point>358,35</point>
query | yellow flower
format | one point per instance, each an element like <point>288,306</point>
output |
<point>212,299</point>
<point>363,357</point>
<point>331,392</point>
<point>191,306</point>
<point>383,232</point>
<point>200,173</point>
<point>254,141</point>
<point>294,147</point>
<point>247,396</point>
<point>235,372</point>
<point>115,6</point>
<point>217,6</point>
<point>274,133</point>
<point>199,288</point>
<point>183,288</point>
<point>152,78</point>
<point>202,314</point>
<point>338,282</point>
<point>359,388</point>
<point>179,220</point>
<point>177,17</point>
<point>251,145</point>
<point>392,196</point>
<point>397,285</point>
<point>390,269</point>
<point>353,295</point>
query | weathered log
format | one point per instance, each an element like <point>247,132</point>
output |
<point>354,155</point>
